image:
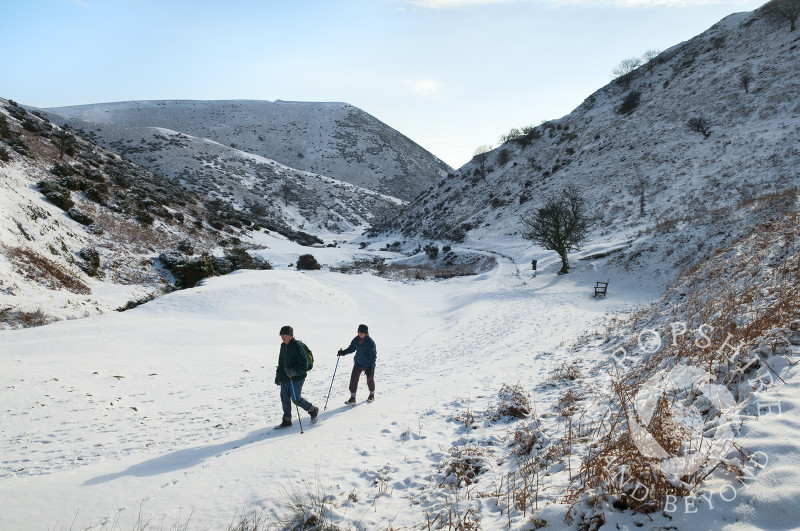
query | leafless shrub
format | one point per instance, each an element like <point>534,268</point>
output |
<point>566,372</point>
<point>467,418</point>
<point>520,489</point>
<point>134,303</point>
<point>700,124</point>
<point>567,403</point>
<point>745,78</point>
<point>453,520</point>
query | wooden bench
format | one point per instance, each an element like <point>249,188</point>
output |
<point>600,288</point>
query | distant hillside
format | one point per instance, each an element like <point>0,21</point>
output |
<point>86,231</point>
<point>335,140</point>
<point>685,132</point>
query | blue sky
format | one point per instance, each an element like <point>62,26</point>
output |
<point>450,74</point>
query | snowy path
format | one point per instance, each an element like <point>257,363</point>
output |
<point>168,405</point>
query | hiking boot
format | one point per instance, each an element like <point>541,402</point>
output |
<point>284,424</point>
<point>371,398</point>
<point>314,412</point>
<point>351,401</point>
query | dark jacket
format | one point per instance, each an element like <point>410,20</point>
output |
<point>290,357</point>
<point>366,352</point>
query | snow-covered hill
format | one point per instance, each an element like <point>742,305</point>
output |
<point>83,229</point>
<point>694,143</point>
<point>336,140</point>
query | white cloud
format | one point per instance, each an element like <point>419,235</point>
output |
<point>426,87</point>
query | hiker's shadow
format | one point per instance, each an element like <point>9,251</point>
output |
<point>182,459</point>
<point>340,409</point>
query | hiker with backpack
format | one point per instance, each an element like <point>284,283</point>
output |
<point>290,374</point>
<point>363,361</point>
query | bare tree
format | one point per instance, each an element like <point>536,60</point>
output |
<point>482,150</point>
<point>648,59</point>
<point>624,71</point>
<point>639,188</point>
<point>700,125</point>
<point>745,77</point>
<point>561,225</point>
<point>787,10</point>
<point>286,192</point>
<point>649,55</point>
<point>513,134</point>
<point>64,141</point>
<point>626,66</point>
<point>481,154</point>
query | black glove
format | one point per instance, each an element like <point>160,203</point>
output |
<point>341,353</point>
<point>290,372</point>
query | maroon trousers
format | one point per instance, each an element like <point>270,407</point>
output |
<point>356,374</point>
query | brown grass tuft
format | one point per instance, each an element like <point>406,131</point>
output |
<point>45,271</point>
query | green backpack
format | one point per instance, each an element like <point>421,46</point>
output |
<point>307,353</point>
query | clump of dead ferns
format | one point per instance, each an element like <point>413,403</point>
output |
<point>463,467</point>
<point>565,373</point>
<point>514,402</point>
<point>538,459</point>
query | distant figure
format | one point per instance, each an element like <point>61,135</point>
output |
<point>363,361</point>
<point>290,374</point>
<point>533,265</point>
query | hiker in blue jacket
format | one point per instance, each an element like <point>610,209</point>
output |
<point>363,361</point>
<point>290,374</point>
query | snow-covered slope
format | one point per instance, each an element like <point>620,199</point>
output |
<point>610,153</point>
<point>83,229</point>
<point>332,139</point>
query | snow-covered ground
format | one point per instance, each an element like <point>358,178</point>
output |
<point>163,414</point>
<point>170,405</point>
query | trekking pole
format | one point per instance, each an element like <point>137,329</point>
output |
<point>291,384</point>
<point>329,390</point>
